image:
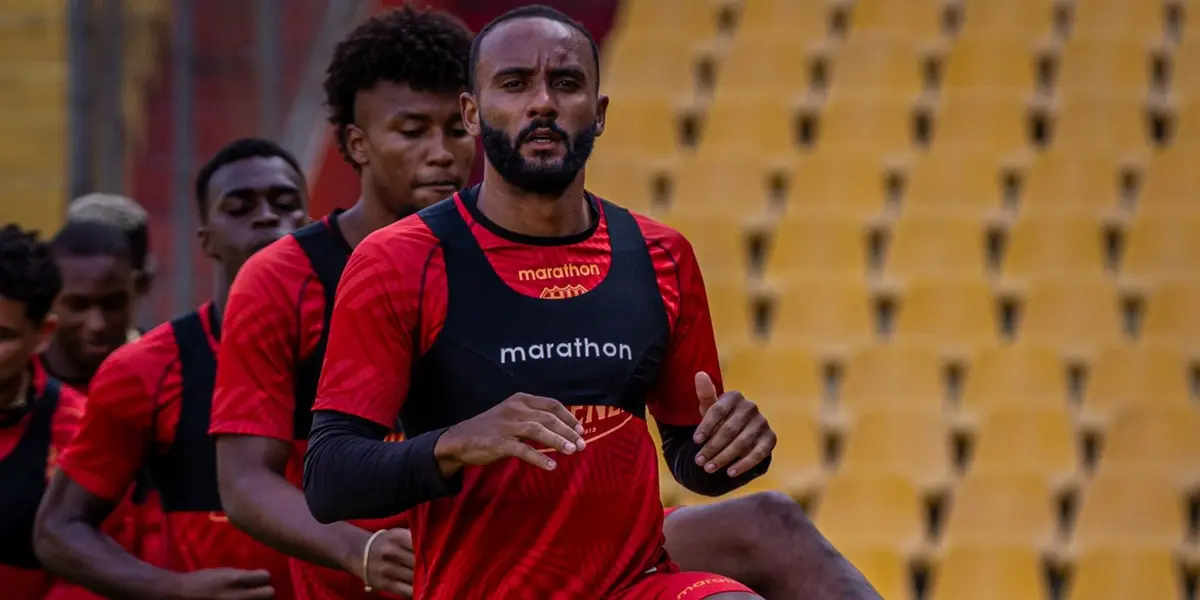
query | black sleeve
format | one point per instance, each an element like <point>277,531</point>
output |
<point>680,451</point>
<point>351,473</point>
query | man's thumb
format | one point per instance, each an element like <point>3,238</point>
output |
<point>706,391</point>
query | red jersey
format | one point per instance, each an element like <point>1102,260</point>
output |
<point>592,527</point>
<point>31,439</point>
<point>274,325</point>
<point>133,418</point>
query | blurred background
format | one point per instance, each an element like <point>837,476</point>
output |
<point>952,247</point>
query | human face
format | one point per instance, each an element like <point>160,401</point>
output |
<point>20,339</point>
<point>411,145</point>
<point>537,106</point>
<point>95,308</point>
<point>251,203</point>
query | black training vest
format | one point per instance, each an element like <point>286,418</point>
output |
<point>186,473</point>
<point>328,253</point>
<point>23,481</point>
<point>604,347</point>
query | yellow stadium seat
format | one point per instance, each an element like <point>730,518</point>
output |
<point>1163,244</point>
<point>749,127</point>
<point>1054,244</point>
<point>730,305</point>
<point>883,123</point>
<point>999,506</point>
<point>1071,181</point>
<point>1118,19</point>
<point>1076,313</point>
<point>727,188</point>
<point>1138,375</point>
<point>960,180</point>
<point>989,572</point>
<point>640,127</point>
<point>847,177</point>
<point>624,180</point>
<point>1153,438</point>
<point>775,376</point>
<point>898,376</point>
<point>879,65</point>
<point>936,243</point>
<point>696,19</point>
<point>919,19</point>
<point>1130,507</point>
<point>1037,440</point>
<point>870,508</point>
<point>824,314</point>
<point>913,443</point>
<point>1185,78</point>
<point>992,121</point>
<point>764,65</point>
<point>1171,180</point>
<point>1171,314</point>
<point>1103,65</point>
<point>959,314</point>
<point>1029,20</point>
<point>884,566</point>
<point>638,64</point>
<point>817,243</point>
<point>1016,374</point>
<point>721,246</point>
<point>795,21</point>
<point>1112,124</point>
<point>984,63</point>
<point>1121,572</point>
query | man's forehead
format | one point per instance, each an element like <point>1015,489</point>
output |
<point>531,39</point>
<point>259,172</point>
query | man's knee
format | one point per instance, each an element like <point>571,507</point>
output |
<point>734,596</point>
<point>771,513</point>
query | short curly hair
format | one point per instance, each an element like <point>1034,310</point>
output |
<point>427,49</point>
<point>28,273</point>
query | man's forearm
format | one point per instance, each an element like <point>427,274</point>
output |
<point>350,473</point>
<point>679,450</point>
<point>273,510</point>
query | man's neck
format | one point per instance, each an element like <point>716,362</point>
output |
<point>520,212</point>
<point>366,216</point>
<point>13,393</point>
<point>224,281</point>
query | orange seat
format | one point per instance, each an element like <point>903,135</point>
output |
<point>1074,313</point>
<point>1033,440</point>
<point>817,244</point>
<point>1136,375</point>
<point>1047,245</point>
<point>1120,572</point>
<point>953,313</point>
<point>1171,315</point>
<point>775,375</point>
<point>895,375</point>
<point>831,314</point>
<point>870,508</point>
<point>1016,374</point>
<point>1132,508</point>
<point>935,243</point>
<point>989,572</point>
<point>1163,244</point>
<point>999,506</point>
<point>910,442</point>
<point>1160,438</point>
<point>884,566</point>
<point>839,176</point>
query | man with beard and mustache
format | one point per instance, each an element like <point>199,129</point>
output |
<point>487,295</point>
<point>149,405</point>
<point>392,89</point>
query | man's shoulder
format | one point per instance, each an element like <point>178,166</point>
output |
<point>284,261</point>
<point>402,241</point>
<point>660,234</point>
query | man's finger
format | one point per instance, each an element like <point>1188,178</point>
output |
<point>554,422</point>
<point>565,415</point>
<point>706,392</point>
<point>741,445</point>
<point>404,537</point>
<point>715,415</point>
<point>252,579</point>
<point>397,575</point>
<point>526,453</point>
<point>536,432</point>
<point>762,449</point>
<point>264,592</point>
<point>739,415</point>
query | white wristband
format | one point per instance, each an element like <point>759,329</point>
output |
<point>367,560</point>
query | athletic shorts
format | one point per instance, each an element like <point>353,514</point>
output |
<point>679,586</point>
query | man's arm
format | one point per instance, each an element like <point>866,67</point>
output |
<point>253,411</point>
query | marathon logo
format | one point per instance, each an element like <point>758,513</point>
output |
<point>579,348</point>
<point>566,271</point>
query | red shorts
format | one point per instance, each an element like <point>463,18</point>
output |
<point>679,586</point>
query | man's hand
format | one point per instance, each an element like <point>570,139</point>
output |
<point>224,584</point>
<point>502,432</point>
<point>391,562</point>
<point>731,429</point>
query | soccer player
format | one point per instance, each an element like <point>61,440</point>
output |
<point>392,89</point>
<point>128,216</point>
<point>150,405</point>
<point>37,414</point>
<point>521,331</point>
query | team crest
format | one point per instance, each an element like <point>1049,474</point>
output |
<point>563,292</point>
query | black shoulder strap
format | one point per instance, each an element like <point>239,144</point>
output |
<point>328,258</point>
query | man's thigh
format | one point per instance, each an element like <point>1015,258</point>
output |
<point>707,537</point>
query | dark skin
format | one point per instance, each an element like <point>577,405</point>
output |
<point>94,310</point>
<point>20,340</point>
<point>412,151</point>
<point>251,203</point>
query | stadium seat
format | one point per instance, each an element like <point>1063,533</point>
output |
<point>817,243</point>
<point>1121,572</point>
<point>874,64</point>
<point>775,375</point>
<point>795,22</point>
<point>963,181</point>
<point>990,121</point>
<point>1171,314</point>
<point>726,188</point>
<point>1159,438</point>
<point>871,509</point>
<point>764,66</point>
<point>1118,19</point>
<point>1163,244</point>
<point>640,127</point>
<point>1138,375</point>
<point>884,566</point>
<point>1075,181</point>
<point>936,243</point>
<point>916,19</point>
<point>1000,506</point>
<point>692,18</point>
<point>1054,244</point>
<point>738,126</point>
<point>1102,65</point>
<point>989,572</point>
<point>829,315</point>
<point>957,314</point>
<point>1016,374</point>
<point>1027,439</point>
<point>638,66</point>
<point>847,177</point>
<point>622,179</point>
<point>896,376</point>
<point>980,63</point>
<point>1131,507</point>
<point>1075,313</point>
<point>1171,180</point>
<point>875,121</point>
<point>721,247</point>
<point>1184,79</point>
<point>913,443</point>
<point>730,305</point>
<point>1112,124</point>
<point>1029,20</point>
